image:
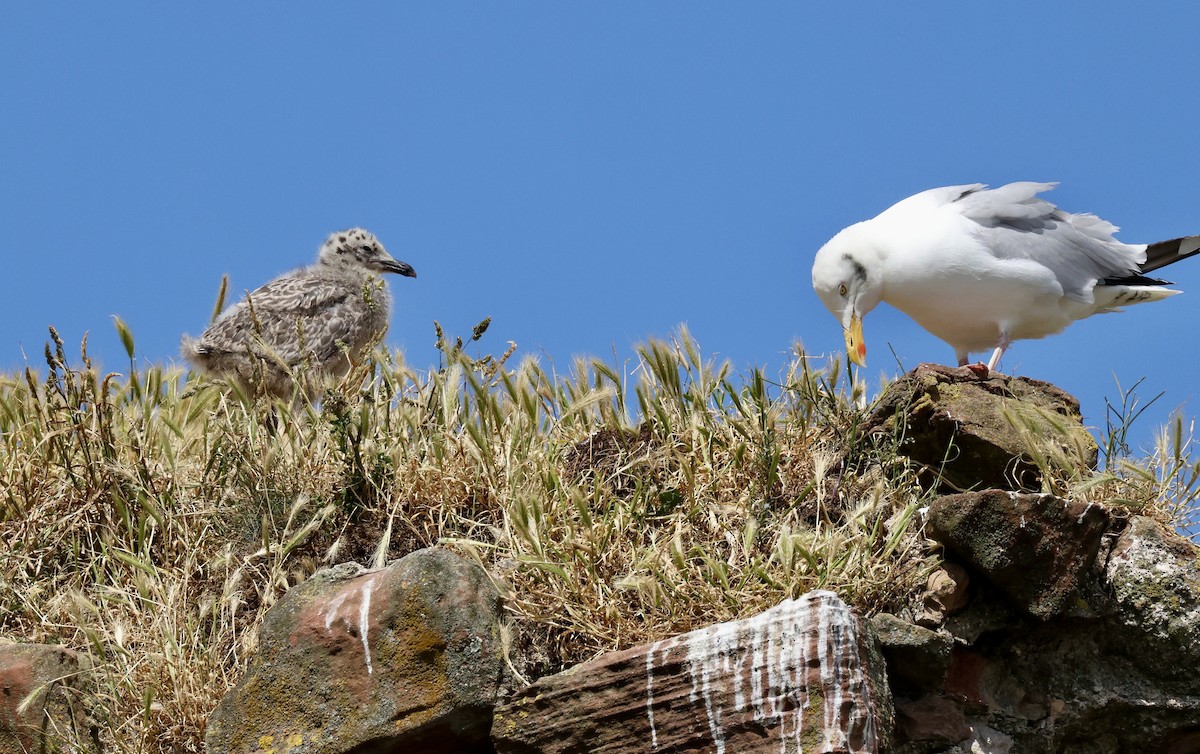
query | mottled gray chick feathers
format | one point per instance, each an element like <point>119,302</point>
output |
<point>315,322</point>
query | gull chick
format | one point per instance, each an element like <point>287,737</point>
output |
<point>981,268</point>
<point>316,321</point>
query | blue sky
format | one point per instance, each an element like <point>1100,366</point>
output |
<point>588,175</point>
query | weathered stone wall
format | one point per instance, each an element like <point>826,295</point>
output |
<point>1055,627</point>
<point>1089,663</point>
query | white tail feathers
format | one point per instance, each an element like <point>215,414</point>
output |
<point>1110,298</point>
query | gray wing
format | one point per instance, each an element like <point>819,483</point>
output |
<point>1014,223</point>
<point>292,317</point>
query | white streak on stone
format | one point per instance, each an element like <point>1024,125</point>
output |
<point>803,697</point>
<point>334,605</point>
<point>833,626</point>
<point>364,610</point>
<point>650,695</point>
<point>708,656</point>
<point>760,667</point>
<point>757,668</point>
<point>650,690</point>
<point>738,667</point>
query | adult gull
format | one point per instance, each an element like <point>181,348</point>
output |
<point>980,268</point>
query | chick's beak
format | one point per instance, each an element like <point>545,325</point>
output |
<point>398,267</point>
<point>856,349</point>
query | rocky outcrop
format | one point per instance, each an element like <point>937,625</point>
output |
<point>1153,576</point>
<point>968,430</point>
<point>1037,549</point>
<point>799,677</point>
<point>1054,627</point>
<point>1096,652</point>
<point>917,658</point>
<point>405,658</point>
<point>43,700</point>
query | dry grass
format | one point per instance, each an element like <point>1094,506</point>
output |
<point>1165,485</point>
<point>150,522</point>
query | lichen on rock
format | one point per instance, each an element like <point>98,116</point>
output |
<point>407,656</point>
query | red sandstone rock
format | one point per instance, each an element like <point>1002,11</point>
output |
<point>934,719</point>
<point>799,677</point>
<point>964,679</point>
<point>42,700</point>
<point>407,657</point>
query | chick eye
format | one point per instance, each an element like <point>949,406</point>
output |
<point>842,289</point>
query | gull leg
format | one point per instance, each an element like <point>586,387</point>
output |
<point>979,369</point>
<point>1001,347</point>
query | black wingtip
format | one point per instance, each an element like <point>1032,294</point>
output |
<point>1164,253</point>
<point>1135,280</point>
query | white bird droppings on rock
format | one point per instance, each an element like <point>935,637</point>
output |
<point>768,660</point>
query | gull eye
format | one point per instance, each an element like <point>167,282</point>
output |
<point>842,289</point>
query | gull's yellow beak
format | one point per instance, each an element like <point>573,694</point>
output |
<point>856,350</point>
